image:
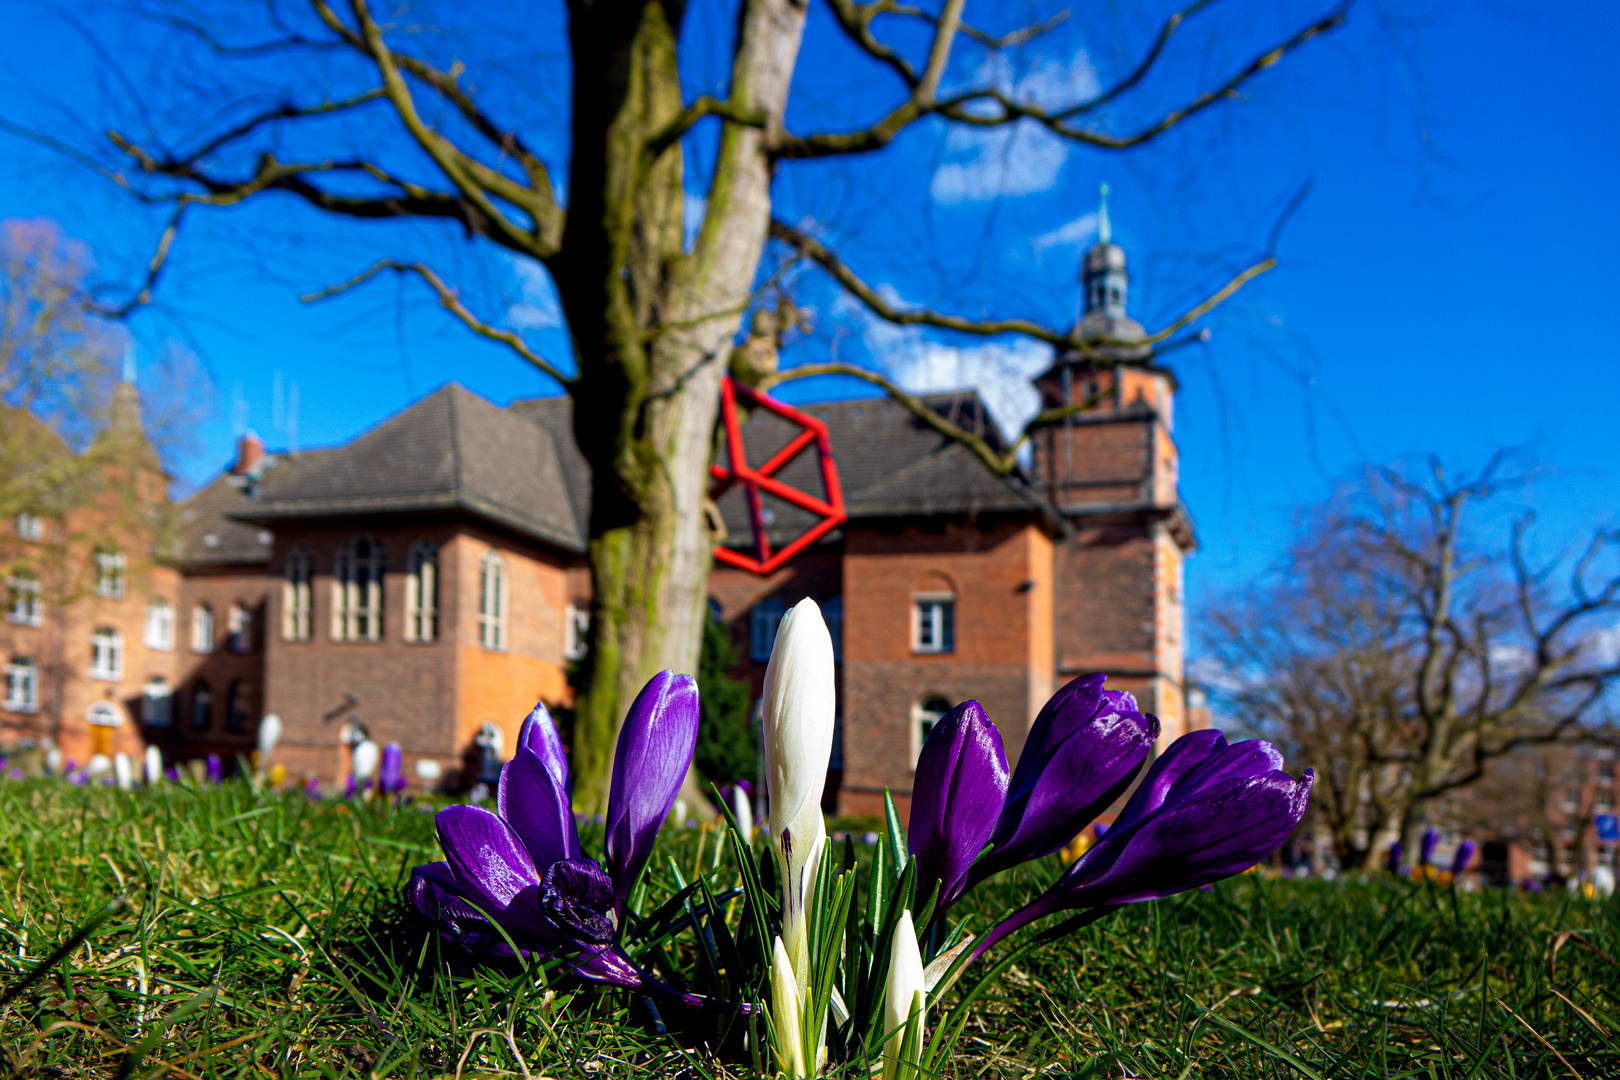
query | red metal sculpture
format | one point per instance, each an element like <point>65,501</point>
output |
<point>755,481</point>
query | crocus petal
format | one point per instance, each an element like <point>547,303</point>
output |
<point>906,986</point>
<point>1464,856</point>
<point>491,867</point>
<point>1084,749</point>
<point>391,773</point>
<point>539,734</point>
<point>799,711</point>
<point>529,800</point>
<point>957,796</point>
<point>785,1014</point>
<point>1431,840</point>
<point>649,765</point>
<point>433,892</point>
<point>575,897</point>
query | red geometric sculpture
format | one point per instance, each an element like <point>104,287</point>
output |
<point>754,481</point>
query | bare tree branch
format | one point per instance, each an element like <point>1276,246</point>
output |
<point>154,267</point>
<point>452,303</point>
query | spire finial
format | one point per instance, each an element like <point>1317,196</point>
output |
<point>1105,232</point>
<point>129,363</point>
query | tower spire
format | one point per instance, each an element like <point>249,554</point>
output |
<point>1105,232</point>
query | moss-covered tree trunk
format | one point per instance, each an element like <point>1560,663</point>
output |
<point>653,326</point>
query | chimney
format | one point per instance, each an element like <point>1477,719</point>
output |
<point>249,455</point>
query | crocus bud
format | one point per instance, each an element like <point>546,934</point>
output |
<point>1396,854</point>
<point>215,769</point>
<point>391,774</point>
<point>269,735</point>
<point>743,811</point>
<point>1602,882</point>
<point>799,710</point>
<point>53,760</point>
<point>98,764</point>
<point>785,1014</point>
<point>1464,856</point>
<point>1431,840</point>
<point>1083,751</point>
<point>654,752</point>
<point>365,761</point>
<point>123,772</point>
<point>905,991</point>
<point>153,766</point>
<point>960,785</point>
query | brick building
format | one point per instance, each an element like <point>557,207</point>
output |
<point>426,582</point>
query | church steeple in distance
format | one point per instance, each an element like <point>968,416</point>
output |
<point>1103,290</point>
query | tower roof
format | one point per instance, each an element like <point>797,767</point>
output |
<point>1105,326</point>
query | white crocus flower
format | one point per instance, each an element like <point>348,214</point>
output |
<point>123,772</point>
<point>154,766</point>
<point>785,1014</point>
<point>799,708</point>
<point>365,762</point>
<point>906,989</point>
<point>269,736</point>
<point>743,810</point>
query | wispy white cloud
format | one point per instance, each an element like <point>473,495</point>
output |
<point>1072,234</point>
<point>1015,159</point>
<point>536,306</point>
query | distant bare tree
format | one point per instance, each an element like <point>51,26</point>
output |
<point>1400,656</point>
<point>379,113</point>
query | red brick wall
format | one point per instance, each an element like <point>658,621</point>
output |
<point>220,588</point>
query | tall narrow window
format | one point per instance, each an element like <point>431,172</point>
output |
<point>107,654</point>
<point>160,625</point>
<point>762,624</point>
<point>832,612</point>
<point>109,573</point>
<point>202,707</point>
<point>924,715</point>
<point>236,706</point>
<point>30,527</point>
<point>22,685</point>
<point>157,703</point>
<point>577,630</point>
<point>357,591</point>
<point>933,623</point>
<point>295,595</point>
<point>422,592</point>
<point>239,629</point>
<point>492,601</point>
<point>202,629</point>
<point>25,607</point>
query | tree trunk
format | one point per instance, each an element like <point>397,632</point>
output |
<point>653,328</point>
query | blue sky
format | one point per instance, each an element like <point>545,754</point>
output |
<point>1444,289</point>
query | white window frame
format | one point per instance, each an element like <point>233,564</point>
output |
<point>357,590</point>
<point>30,526</point>
<point>157,703</point>
<point>933,622</point>
<point>493,603</point>
<point>576,631</point>
<point>110,573</point>
<point>24,607</point>
<point>239,629</point>
<point>159,625</point>
<point>763,622</point>
<point>107,654</point>
<point>422,593</point>
<point>296,597</point>
<point>929,710</point>
<point>22,685</point>
<point>202,629</point>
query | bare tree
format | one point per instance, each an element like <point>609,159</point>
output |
<point>1400,656</point>
<point>651,320</point>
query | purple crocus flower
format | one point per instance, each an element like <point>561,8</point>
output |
<point>1083,751</point>
<point>521,866</point>
<point>391,773</point>
<point>1431,840</point>
<point>956,800</point>
<point>351,787</point>
<point>172,774</point>
<point>1396,853</point>
<point>1464,856</point>
<point>216,770</point>
<point>1207,810</point>
<point>312,790</point>
<point>17,773</point>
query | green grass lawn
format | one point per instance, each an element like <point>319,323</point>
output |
<point>264,936</point>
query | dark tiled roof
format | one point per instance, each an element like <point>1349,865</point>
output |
<point>450,451</point>
<point>556,415</point>
<point>207,535</point>
<point>890,464</point>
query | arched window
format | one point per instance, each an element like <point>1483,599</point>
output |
<point>202,707</point>
<point>160,625</point>
<point>109,567</point>
<point>492,601</point>
<point>25,607</point>
<point>924,715</point>
<point>239,629</point>
<point>107,654</point>
<point>357,591</point>
<point>236,706</point>
<point>422,592</point>
<point>762,624</point>
<point>933,622</point>
<point>295,596</point>
<point>157,703</point>
<point>22,685</point>
<point>202,629</point>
